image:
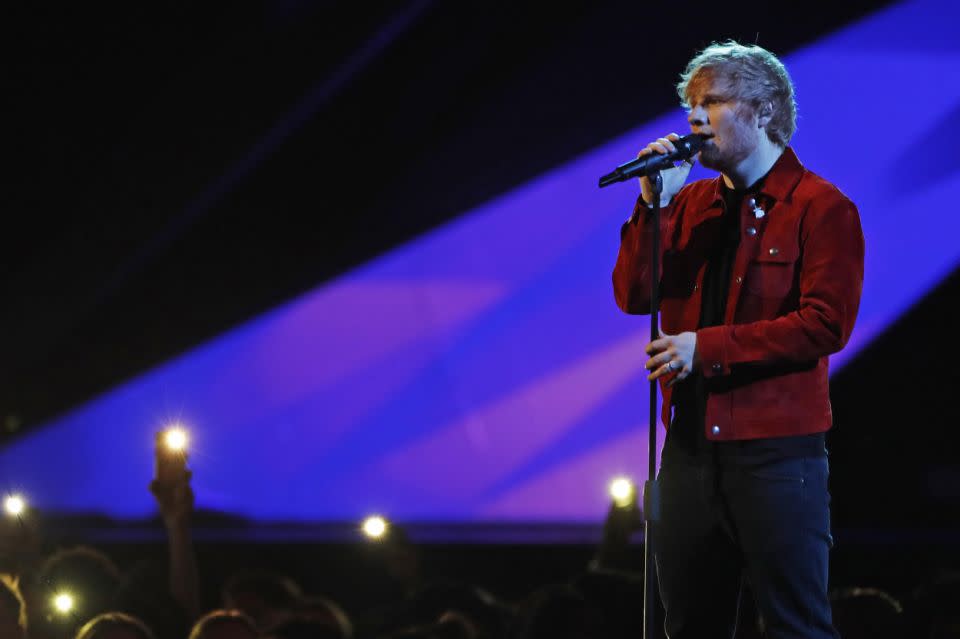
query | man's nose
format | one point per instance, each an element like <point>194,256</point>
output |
<point>697,117</point>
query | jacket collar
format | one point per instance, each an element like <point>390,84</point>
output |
<point>779,184</point>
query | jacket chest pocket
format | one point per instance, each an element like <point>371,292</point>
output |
<point>772,272</point>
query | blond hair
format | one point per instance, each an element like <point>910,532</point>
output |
<point>201,629</point>
<point>101,625</point>
<point>755,77</point>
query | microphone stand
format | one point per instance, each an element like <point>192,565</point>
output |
<point>651,488</point>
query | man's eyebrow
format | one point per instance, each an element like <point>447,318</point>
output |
<point>716,97</point>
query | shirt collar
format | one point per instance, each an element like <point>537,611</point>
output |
<point>779,183</point>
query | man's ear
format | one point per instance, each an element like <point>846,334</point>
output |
<point>764,114</point>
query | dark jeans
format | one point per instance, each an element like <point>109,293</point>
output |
<point>768,524</point>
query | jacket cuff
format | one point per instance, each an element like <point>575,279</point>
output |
<point>640,217</point>
<point>712,347</point>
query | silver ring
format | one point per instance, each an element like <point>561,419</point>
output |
<point>670,364</point>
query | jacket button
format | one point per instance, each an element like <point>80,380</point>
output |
<point>751,230</point>
<point>696,286</point>
<point>716,429</point>
<point>739,279</point>
<point>717,367</point>
<point>774,251</point>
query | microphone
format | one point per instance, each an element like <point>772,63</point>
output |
<point>687,147</point>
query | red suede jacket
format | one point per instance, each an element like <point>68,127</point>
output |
<point>795,289</point>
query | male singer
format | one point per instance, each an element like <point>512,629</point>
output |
<point>762,269</point>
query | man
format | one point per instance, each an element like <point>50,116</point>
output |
<point>762,269</point>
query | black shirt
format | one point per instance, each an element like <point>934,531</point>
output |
<point>686,435</point>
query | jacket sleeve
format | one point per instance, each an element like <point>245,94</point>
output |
<point>831,281</point>
<point>631,273</point>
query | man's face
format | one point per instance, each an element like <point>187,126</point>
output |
<point>730,123</point>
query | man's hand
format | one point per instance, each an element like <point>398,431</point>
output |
<point>175,500</point>
<point>673,355</point>
<point>622,521</point>
<point>673,179</point>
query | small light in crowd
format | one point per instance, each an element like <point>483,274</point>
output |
<point>175,439</point>
<point>375,527</point>
<point>63,602</point>
<point>14,505</point>
<point>622,491</point>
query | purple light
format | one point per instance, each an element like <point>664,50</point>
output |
<point>483,372</point>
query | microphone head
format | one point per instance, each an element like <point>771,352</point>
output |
<point>692,143</point>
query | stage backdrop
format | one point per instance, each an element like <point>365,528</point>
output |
<point>483,372</point>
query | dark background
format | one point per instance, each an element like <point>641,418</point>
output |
<point>175,169</point>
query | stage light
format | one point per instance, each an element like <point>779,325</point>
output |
<point>622,491</point>
<point>63,603</point>
<point>175,438</point>
<point>375,527</point>
<point>14,505</point>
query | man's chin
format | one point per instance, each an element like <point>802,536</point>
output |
<point>709,161</point>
